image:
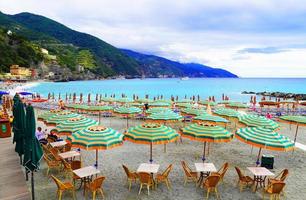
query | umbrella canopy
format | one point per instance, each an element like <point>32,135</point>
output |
<point>46,115</point>
<point>264,138</point>
<point>4,93</point>
<point>72,125</point>
<point>25,93</point>
<point>124,100</point>
<point>165,116</point>
<point>100,108</point>
<point>33,151</point>
<point>60,117</point>
<point>227,112</point>
<point>206,133</point>
<point>151,133</point>
<point>211,103</point>
<point>193,111</point>
<point>237,105</point>
<point>136,104</point>
<point>127,110</point>
<point>294,119</point>
<point>184,101</point>
<point>19,127</point>
<point>144,100</point>
<point>183,105</point>
<point>108,99</point>
<point>255,120</point>
<point>157,110</point>
<point>225,102</point>
<point>96,138</point>
<point>160,104</point>
<point>210,118</point>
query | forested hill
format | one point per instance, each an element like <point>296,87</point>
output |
<point>73,48</point>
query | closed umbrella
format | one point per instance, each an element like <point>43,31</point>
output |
<point>206,133</point>
<point>32,149</point>
<point>72,125</point>
<point>152,134</point>
<point>96,138</point>
<point>255,120</point>
<point>264,138</point>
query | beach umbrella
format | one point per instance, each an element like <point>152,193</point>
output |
<point>100,109</point>
<point>72,125</point>
<point>298,120</point>
<point>183,105</point>
<point>206,133</point>
<point>124,100</point>
<point>145,100</point>
<point>136,104</point>
<point>225,102</point>
<point>255,121</point>
<point>127,111</point>
<point>184,101</point>
<point>237,105</point>
<point>211,119</point>
<point>60,117</point>
<point>108,99</point>
<point>96,138</point>
<point>45,115</point>
<point>193,111</point>
<point>25,93</point>
<point>3,93</point>
<point>211,103</point>
<point>32,149</point>
<point>19,127</point>
<point>264,138</point>
<point>157,110</point>
<point>151,134</point>
<point>227,112</point>
<point>164,117</point>
<point>159,104</point>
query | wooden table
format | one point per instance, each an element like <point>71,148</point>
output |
<point>58,143</point>
<point>205,169</point>
<point>260,175</point>
<point>86,173</point>
<point>69,154</point>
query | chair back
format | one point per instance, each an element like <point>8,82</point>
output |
<point>60,184</point>
<point>240,174</point>
<point>67,166</point>
<point>68,146</point>
<point>76,164</point>
<point>223,169</point>
<point>127,171</point>
<point>186,169</point>
<point>47,159</point>
<point>167,171</point>
<point>284,175</point>
<point>97,182</point>
<point>54,153</point>
<point>212,180</point>
<point>277,187</point>
<point>145,177</point>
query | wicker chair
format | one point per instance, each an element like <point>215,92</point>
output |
<point>54,164</point>
<point>164,177</point>
<point>274,190</point>
<point>189,175</point>
<point>131,176</point>
<point>145,179</point>
<point>61,187</point>
<point>75,164</point>
<point>222,171</point>
<point>67,147</point>
<point>280,177</point>
<point>95,186</point>
<point>211,183</point>
<point>243,180</point>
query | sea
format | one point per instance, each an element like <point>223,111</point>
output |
<point>205,87</point>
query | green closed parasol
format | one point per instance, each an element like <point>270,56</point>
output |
<point>151,133</point>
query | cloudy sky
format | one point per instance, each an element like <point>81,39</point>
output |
<point>259,38</point>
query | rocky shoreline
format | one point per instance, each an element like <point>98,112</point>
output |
<point>294,96</point>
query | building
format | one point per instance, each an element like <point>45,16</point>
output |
<point>15,70</point>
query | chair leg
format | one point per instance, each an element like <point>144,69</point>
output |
<point>93,195</point>
<point>130,184</point>
<point>167,183</point>
<point>60,195</point>
<point>48,171</point>
<point>148,188</point>
<point>207,195</point>
<point>102,193</point>
<point>140,189</point>
<point>185,180</point>
<point>217,193</point>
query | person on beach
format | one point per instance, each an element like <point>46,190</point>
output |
<point>61,105</point>
<point>41,136</point>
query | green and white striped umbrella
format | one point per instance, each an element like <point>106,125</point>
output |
<point>264,138</point>
<point>237,105</point>
<point>294,119</point>
<point>100,108</point>
<point>193,111</point>
<point>184,105</point>
<point>210,118</point>
<point>159,104</point>
<point>211,103</point>
<point>81,107</point>
<point>206,133</point>
<point>227,112</point>
<point>136,104</point>
<point>151,133</point>
<point>96,138</point>
<point>184,101</point>
<point>124,100</point>
<point>108,99</point>
<point>58,118</point>
<point>46,115</point>
<point>165,117</point>
<point>127,110</point>
<point>225,102</point>
<point>72,125</point>
<point>255,121</point>
<point>157,110</point>
<point>144,100</point>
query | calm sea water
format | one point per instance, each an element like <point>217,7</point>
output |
<point>167,87</point>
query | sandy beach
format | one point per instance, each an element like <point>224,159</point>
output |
<point>132,155</point>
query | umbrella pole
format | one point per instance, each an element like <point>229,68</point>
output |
<point>257,162</point>
<point>296,132</point>
<point>32,185</point>
<point>151,160</point>
<point>97,158</point>
<point>99,117</point>
<point>204,148</point>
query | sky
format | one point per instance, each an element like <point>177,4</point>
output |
<point>251,38</point>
